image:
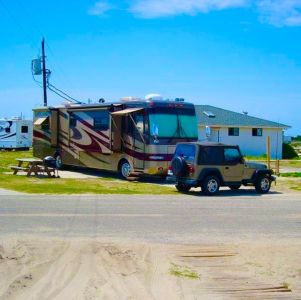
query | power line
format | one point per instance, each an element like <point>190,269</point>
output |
<point>51,86</point>
<point>59,94</point>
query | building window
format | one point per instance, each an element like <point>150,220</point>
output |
<point>234,131</point>
<point>7,129</point>
<point>24,129</point>
<point>256,131</point>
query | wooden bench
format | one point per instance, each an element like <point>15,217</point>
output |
<point>16,169</point>
<point>32,165</point>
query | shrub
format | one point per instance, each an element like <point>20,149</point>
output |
<point>288,152</point>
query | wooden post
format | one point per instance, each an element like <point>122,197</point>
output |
<point>278,166</point>
<point>269,152</point>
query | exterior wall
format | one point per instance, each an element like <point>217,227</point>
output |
<point>15,138</point>
<point>249,145</point>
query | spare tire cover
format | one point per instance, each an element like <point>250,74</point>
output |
<point>179,166</point>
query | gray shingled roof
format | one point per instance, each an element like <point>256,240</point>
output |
<point>225,117</point>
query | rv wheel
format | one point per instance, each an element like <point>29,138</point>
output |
<point>125,169</point>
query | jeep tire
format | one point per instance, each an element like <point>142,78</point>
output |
<point>182,187</point>
<point>210,185</point>
<point>179,166</point>
<point>263,184</point>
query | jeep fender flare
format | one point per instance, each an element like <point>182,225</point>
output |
<point>259,173</point>
<point>210,171</point>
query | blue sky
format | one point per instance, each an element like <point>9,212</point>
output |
<point>236,54</point>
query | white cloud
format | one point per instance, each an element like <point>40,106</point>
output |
<point>280,12</point>
<point>100,8</point>
<point>274,12</point>
<point>161,8</point>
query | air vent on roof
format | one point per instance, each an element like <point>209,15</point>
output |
<point>209,114</point>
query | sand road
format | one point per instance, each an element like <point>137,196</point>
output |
<point>134,247</point>
<point>89,269</point>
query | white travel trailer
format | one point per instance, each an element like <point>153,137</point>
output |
<point>15,133</point>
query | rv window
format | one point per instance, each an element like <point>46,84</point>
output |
<point>101,120</point>
<point>7,130</point>
<point>101,123</point>
<point>24,129</point>
<point>72,121</point>
<point>139,120</point>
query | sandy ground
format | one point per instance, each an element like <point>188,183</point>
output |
<point>39,268</point>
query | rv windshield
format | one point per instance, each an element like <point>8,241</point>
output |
<point>173,125</point>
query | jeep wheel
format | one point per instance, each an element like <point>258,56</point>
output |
<point>235,187</point>
<point>263,185</point>
<point>183,188</point>
<point>179,166</point>
<point>210,185</point>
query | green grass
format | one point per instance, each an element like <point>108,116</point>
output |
<point>182,271</point>
<point>296,188</point>
<point>260,157</point>
<point>291,174</point>
<point>70,186</point>
<point>8,158</point>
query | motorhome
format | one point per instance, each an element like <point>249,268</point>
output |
<point>133,136</point>
<point>15,133</point>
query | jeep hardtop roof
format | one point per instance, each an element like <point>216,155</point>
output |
<point>208,144</point>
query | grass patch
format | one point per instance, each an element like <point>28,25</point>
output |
<point>8,158</point>
<point>291,174</point>
<point>260,157</point>
<point>79,186</point>
<point>184,272</point>
<point>100,185</point>
<point>296,188</point>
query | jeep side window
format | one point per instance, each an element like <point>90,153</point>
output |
<point>210,156</point>
<point>186,151</point>
<point>232,155</point>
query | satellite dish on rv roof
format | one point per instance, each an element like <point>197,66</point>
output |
<point>154,97</point>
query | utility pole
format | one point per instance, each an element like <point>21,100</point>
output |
<point>44,72</point>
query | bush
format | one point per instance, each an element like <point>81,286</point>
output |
<point>288,152</point>
<point>297,138</point>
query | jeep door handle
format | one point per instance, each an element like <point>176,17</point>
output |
<point>227,168</point>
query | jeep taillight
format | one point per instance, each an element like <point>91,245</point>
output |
<point>191,169</point>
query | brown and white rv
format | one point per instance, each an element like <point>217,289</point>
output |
<point>131,137</point>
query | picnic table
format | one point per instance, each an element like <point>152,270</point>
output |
<point>32,165</point>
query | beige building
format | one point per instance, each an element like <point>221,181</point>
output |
<point>250,133</point>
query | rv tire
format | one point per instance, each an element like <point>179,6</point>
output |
<point>124,169</point>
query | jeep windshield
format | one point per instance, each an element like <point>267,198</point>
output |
<point>173,124</point>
